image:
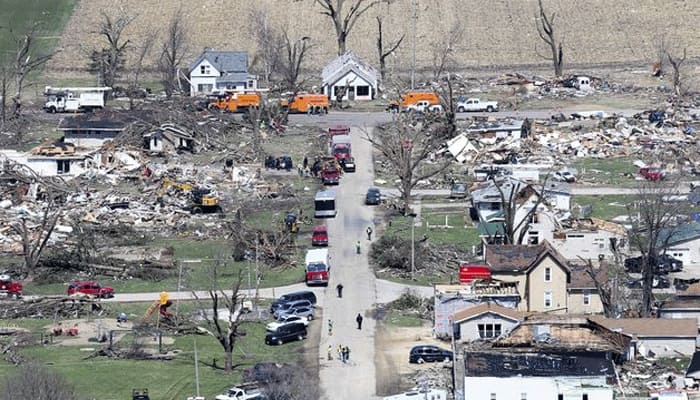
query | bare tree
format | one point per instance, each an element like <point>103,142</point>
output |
<point>344,22</point>
<point>135,81</point>
<point>35,381</point>
<point>545,29</point>
<point>288,383</point>
<point>654,224</point>
<point>269,42</point>
<point>443,49</point>
<point>173,51</point>
<point>676,64</point>
<point>4,88</point>
<point>383,52</point>
<point>34,237</point>
<point>408,147</point>
<point>295,53</point>
<point>26,62</point>
<point>109,61</point>
<point>225,331</point>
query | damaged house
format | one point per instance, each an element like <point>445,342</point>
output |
<point>350,76</point>
<point>92,130</point>
<point>168,138</point>
<point>589,238</point>
<point>544,279</point>
<point>47,161</point>
<point>487,321</point>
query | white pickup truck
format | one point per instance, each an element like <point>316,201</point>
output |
<point>424,106</point>
<point>474,104</point>
<point>239,393</point>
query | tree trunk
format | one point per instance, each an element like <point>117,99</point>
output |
<point>341,43</point>
<point>228,360</point>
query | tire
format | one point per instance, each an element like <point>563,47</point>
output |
<point>310,318</point>
<point>280,342</point>
<point>52,110</point>
<point>489,109</point>
<point>420,360</point>
<point>196,210</point>
<point>460,109</point>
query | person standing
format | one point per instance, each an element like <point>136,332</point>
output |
<point>359,319</point>
<point>330,327</point>
<point>369,233</point>
<point>339,288</point>
<point>346,350</point>
<point>340,352</point>
<point>357,247</point>
<point>330,352</point>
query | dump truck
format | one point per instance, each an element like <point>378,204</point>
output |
<point>74,99</point>
<point>411,98</point>
<point>306,103</point>
<point>236,102</point>
<point>341,147</point>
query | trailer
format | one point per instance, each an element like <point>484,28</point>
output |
<point>324,204</point>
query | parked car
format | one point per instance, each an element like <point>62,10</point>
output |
<point>662,264</point>
<point>421,354</point>
<point>458,191</point>
<point>286,319</point>
<point>286,333</point>
<point>286,298</point>
<point>373,197</point>
<point>319,236</point>
<point>658,282</point>
<point>564,176</point>
<point>90,289</point>
<point>348,164</point>
<point>289,306</point>
<point>302,311</point>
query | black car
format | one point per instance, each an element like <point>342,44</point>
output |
<point>286,333</point>
<point>286,298</point>
<point>663,264</point>
<point>658,282</point>
<point>373,197</point>
<point>421,354</point>
<point>348,164</point>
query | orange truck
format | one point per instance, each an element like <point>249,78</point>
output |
<point>306,102</point>
<point>411,98</point>
<point>236,102</point>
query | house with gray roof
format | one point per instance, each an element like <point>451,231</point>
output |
<point>682,242</point>
<point>219,71</point>
<point>349,72</point>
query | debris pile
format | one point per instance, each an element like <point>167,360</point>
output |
<point>51,308</point>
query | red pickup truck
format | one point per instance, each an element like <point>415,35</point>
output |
<point>319,236</point>
<point>90,288</point>
<point>10,288</point>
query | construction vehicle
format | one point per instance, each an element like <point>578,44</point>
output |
<point>10,288</point>
<point>74,99</point>
<point>236,102</point>
<point>306,103</point>
<point>291,223</point>
<point>162,305</point>
<point>412,98</point>
<point>202,200</point>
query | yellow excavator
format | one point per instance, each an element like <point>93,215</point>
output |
<point>202,200</point>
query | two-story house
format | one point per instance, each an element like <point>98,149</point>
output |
<point>544,279</point>
<point>218,71</point>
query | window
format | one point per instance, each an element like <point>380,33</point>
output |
<point>204,69</point>
<point>62,167</point>
<point>251,84</point>
<point>677,255</point>
<point>489,331</point>
<point>533,237</point>
<point>586,297</point>
<point>205,87</point>
<point>493,396</point>
<point>534,218</point>
<point>494,206</point>
<point>585,396</point>
<point>548,299</point>
<point>523,396</point>
<point>362,91</point>
<point>547,274</point>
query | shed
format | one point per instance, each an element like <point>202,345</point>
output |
<point>349,72</point>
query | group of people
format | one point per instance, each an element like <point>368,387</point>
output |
<point>343,353</point>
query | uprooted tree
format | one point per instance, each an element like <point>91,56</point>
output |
<point>227,330</point>
<point>408,145</point>
<point>344,14</point>
<point>109,61</point>
<point>544,23</point>
<point>655,223</point>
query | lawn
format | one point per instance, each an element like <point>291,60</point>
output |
<point>107,378</point>
<point>19,15</point>
<point>605,207</point>
<point>606,171</point>
<point>402,319</point>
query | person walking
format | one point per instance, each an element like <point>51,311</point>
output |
<point>330,327</point>
<point>369,233</point>
<point>357,247</point>
<point>359,319</point>
<point>339,288</point>
<point>340,352</point>
<point>344,354</point>
<point>330,352</point>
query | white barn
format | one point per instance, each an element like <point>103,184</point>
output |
<point>348,70</point>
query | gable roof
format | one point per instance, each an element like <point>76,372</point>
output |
<point>486,308</point>
<point>520,258</point>
<point>223,61</point>
<point>581,279</point>
<point>349,61</point>
<point>650,327</point>
<point>679,234</point>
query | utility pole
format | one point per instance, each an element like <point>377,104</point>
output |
<point>413,246</point>
<point>413,65</point>
<point>196,368</point>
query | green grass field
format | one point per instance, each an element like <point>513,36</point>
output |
<point>605,207</point>
<point>18,16</point>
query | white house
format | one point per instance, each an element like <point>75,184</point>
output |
<point>682,242</point>
<point>589,238</point>
<point>349,71</point>
<point>486,321</point>
<point>67,165</point>
<point>218,71</point>
<point>537,375</point>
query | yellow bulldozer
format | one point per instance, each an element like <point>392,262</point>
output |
<point>202,200</point>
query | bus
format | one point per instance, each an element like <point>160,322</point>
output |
<point>324,204</point>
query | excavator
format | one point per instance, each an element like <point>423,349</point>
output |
<point>202,200</point>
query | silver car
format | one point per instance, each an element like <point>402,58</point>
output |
<point>285,308</point>
<point>301,311</point>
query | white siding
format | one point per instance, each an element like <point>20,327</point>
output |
<point>353,80</point>
<point>198,78</point>
<point>536,388</point>
<point>688,252</point>
<point>667,347</point>
<point>586,244</point>
<point>469,330</point>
